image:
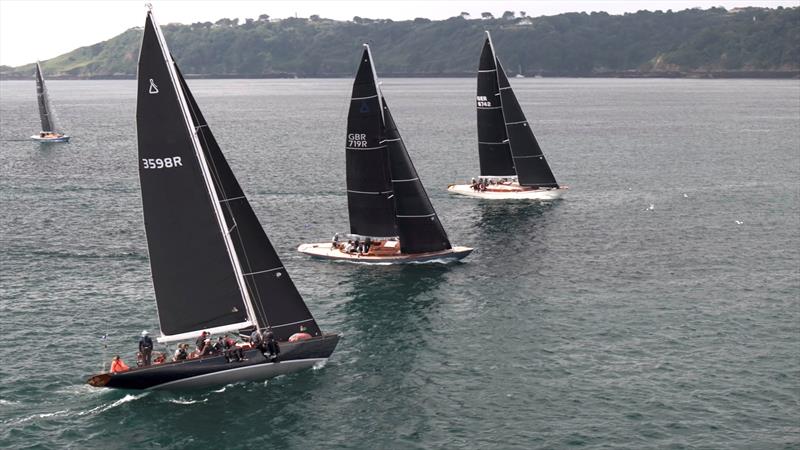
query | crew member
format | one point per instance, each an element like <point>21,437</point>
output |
<point>117,365</point>
<point>201,340</point>
<point>145,348</point>
<point>181,353</point>
<point>273,349</point>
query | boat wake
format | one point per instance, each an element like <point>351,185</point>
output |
<point>103,408</point>
<point>182,401</point>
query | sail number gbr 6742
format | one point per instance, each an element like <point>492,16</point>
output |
<point>162,163</point>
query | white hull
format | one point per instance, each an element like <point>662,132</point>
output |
<point>256,372</point>
<point>507,194</point>
<point>63,138</point>
<point>326,251</point>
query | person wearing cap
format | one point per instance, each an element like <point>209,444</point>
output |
<point>145,348</point>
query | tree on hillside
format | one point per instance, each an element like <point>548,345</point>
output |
<point>464,14</point>
<point>263,18</point>
<point>508,15</point>
<point>487,15</point>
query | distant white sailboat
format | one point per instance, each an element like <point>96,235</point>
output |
<point>49,131</point>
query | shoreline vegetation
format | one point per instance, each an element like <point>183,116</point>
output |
<point>748,42</point>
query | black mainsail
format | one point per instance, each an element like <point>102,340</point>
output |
<point>494,152</point>
<point>369,186</point>
<point>393,201</point>
<point>212,264</point>
<point>45,110</point>
<point>528,160</point>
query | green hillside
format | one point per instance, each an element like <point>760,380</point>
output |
<point>694,41</point>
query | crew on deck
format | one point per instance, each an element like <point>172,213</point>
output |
<point>145,348</point>
<point>117,365</point>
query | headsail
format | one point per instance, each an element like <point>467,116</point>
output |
<point>196,284</point>
<point>277,303</point>
<point>418,225</point>
<point>532,167</point>
<point>494,152</point>
<point>45,110</point>
<point>369,188</point>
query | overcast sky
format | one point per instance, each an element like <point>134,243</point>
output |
<point>40,29</point>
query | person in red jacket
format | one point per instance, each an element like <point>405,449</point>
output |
<point>117,365</point>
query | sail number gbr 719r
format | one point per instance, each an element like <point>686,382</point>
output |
<point>162,163</point>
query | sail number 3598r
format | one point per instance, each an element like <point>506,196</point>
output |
<point>162,163</point>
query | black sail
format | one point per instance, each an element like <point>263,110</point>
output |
<point>45,110</point>
<point>194,280</point>
<point>531,165</point>
<point>418,225</point>
<point>277,303</point>
<point>369,188</point>
<point>493,148</point>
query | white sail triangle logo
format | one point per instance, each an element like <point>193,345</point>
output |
<point>153,87</point>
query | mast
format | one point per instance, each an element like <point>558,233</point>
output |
<point>196,274</point>
<point>369,188</point>
<point>43,99</point>
<point>529,161</point>
<point>494,151</point>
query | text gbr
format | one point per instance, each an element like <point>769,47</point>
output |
<point>357,140</point>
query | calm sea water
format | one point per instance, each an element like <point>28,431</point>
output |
<point>596,321</point>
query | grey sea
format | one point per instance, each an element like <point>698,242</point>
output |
<point>657,305</point>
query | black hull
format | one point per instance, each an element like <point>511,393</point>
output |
<point>215,370</point>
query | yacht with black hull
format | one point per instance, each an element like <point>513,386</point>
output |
<point>214,268</point>
<point>49,131</point>
<point>511,161</point>
<point>392,220</point>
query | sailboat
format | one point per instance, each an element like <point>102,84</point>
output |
<point>391,217</point>
<point>512,163</point>
<point>49,131</point>
<point>213,266</point>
